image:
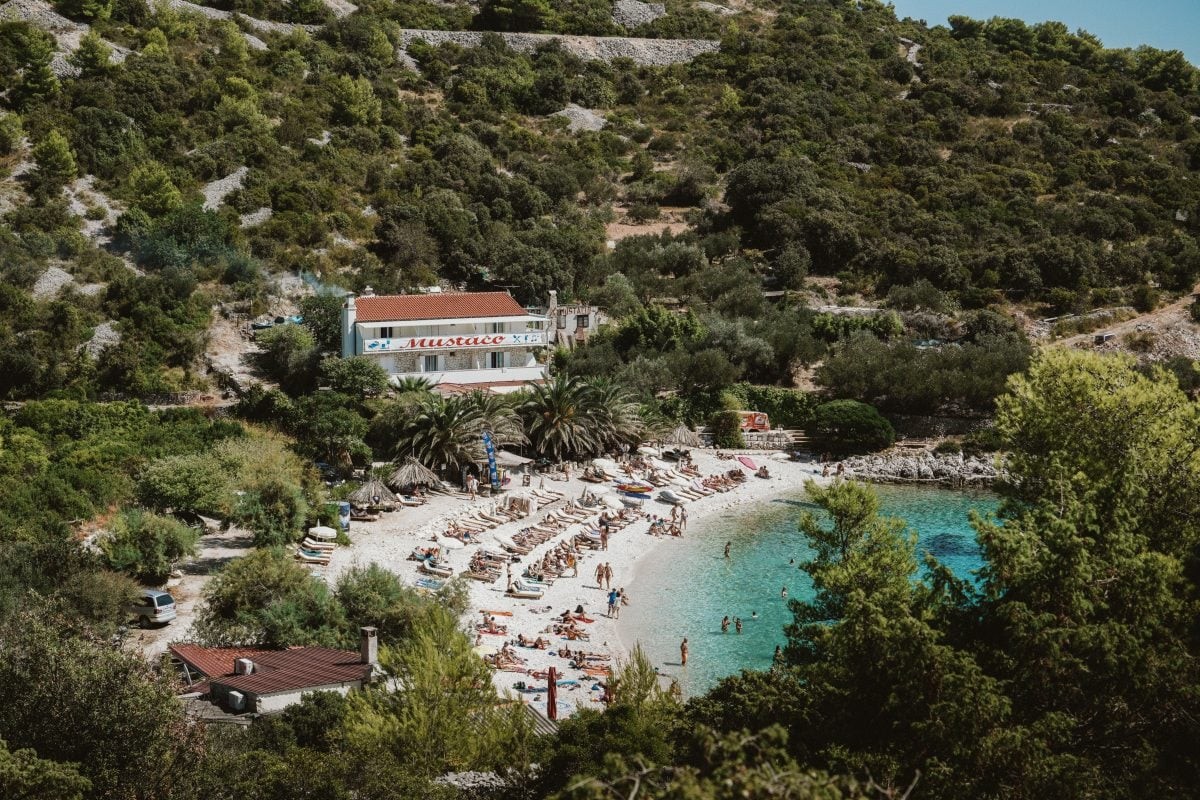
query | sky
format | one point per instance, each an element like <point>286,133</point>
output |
<point>1165,24</point>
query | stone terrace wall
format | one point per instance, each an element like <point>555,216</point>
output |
<point>591,48</point>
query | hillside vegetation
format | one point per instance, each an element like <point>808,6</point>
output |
<point>997,163</point>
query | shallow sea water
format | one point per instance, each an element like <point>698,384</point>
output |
<point>686,586</point>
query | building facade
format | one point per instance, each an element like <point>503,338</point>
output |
<point>572,324</point>
<point>459,340</point>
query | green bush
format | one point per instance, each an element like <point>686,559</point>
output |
<point>948,447</point>
<point>851,426</point>
<point>147,545</point>
<point>726,429</point>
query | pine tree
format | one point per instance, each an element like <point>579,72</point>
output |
<point>55,162</point>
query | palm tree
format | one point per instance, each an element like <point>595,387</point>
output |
<point>560,418</point>
<point>500,418</point>
<point>615,414</point>
<point>443,433</point>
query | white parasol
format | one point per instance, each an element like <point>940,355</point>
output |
<point>322,532</point>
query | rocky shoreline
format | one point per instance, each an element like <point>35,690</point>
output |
<point>944,469</point>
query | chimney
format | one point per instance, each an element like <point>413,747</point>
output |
<point>349,331</point>
<point>368,648</point>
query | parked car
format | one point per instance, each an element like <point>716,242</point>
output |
<point>154,607</point>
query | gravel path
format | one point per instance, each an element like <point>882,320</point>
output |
<point>216,550</point>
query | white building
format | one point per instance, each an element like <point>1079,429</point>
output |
<point>457,341</point>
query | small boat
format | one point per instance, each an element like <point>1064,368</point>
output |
<point>524,594</point>
<point>430,584</point>
<point>634,503</point>
<point>668,496</point>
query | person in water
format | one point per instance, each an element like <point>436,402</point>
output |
<point>725,624</point>
<point>778,658</point>
<point>737,623</point>
<point>753,615</point>
<point>727,546</point>
<point>683,651</point>
<point>783,593</point>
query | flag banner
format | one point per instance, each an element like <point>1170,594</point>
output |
<point>490,448</point>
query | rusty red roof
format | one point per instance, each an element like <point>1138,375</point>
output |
<point>215,661</point>
<point>449,305</point>
<point>276,670</point>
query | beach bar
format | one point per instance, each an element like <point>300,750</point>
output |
<point>457,341</point>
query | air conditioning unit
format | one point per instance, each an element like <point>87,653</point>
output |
<point>243,666</point>
<point>237,701</point>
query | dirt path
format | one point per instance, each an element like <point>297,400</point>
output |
<point>216,550</point>
<point>1169,329</point>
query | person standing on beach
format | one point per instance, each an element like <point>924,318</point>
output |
<point>608,574</point>
<point>727,546</point>
<point>600,576</point>
<point>622,600</point>
<point>604,536</point>
<point>612,603</point>
<point>683,651</point>
<point>683,520</point>
<point>725,624</point>
<point>472,483</point>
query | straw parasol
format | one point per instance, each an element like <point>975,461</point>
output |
<point>682,436</point>
<point>371,493</point>
<point>412,472</point>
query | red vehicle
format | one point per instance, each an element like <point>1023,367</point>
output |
<point>754,421</point>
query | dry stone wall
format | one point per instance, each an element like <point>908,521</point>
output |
<point>651,52</point>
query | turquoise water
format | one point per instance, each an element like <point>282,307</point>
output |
<point>686,586</point>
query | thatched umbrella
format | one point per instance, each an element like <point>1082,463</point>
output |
<point>682,436</point>
<point>411,473</point>
<point>371,493</point>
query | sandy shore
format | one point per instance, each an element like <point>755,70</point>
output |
<point>389,541</point>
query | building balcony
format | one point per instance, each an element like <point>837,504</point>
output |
<point>513,375</point>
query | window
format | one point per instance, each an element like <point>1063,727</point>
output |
<point>431,364</point>
<point>496,327</point>
<point>581,320</point>
<point>496,360</point>
<point>562,320</point>
<point>385,333</point>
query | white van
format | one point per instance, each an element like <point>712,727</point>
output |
<point>154,608</point>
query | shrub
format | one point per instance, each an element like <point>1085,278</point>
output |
<point>726,429</point>
<point>851,426</point>
<point>948,447</point>
<point>146,545</point>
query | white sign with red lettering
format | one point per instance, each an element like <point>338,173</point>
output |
<point>463,342</point>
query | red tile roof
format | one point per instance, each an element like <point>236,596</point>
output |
<point>451,305</point>
<point>277,670</point>
<point>215,661</point>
